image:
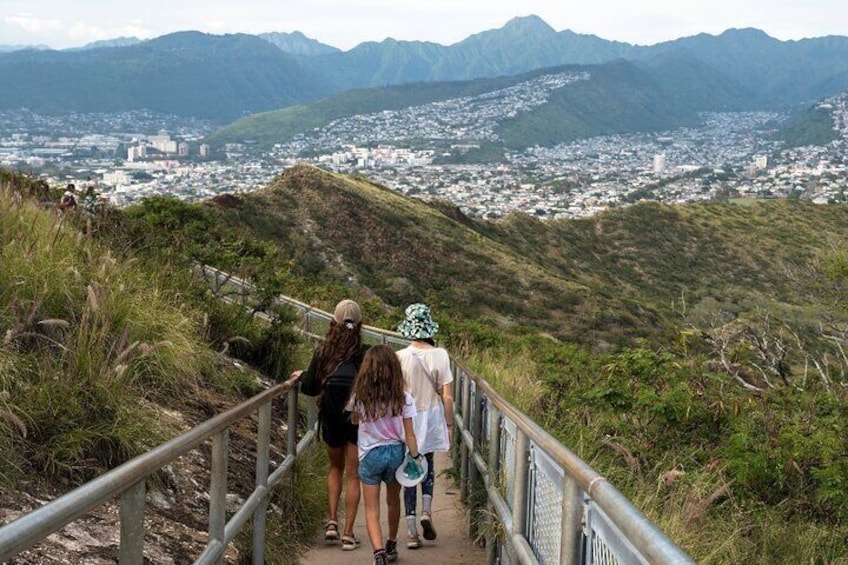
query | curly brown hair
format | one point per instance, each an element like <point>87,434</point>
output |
<point>342,342</point>
<point>379,385</point>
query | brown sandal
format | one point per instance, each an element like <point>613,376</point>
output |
<point>331,531</point>
<point>349,543</point>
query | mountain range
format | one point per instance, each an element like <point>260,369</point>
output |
<point>229,76</point>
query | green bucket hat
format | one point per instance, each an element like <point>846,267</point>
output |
<point>418,323</point>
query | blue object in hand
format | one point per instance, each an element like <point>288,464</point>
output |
<point>411,471</point>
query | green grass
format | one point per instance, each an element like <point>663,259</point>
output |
<point>814,127</point>
<point>91,343</point>
<point>298,507</point>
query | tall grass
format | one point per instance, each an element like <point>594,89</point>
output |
<point>297,510</point>
<point>514,374</point>
<point>87,343</point>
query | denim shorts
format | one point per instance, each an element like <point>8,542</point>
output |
<point>381,463</point>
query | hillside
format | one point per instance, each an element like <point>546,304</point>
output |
<point>814,126</point>
<point>351,231</point>
<point>104,357</point>
<point>616,97</point>
<point>610,278</point>
<point>277,126</point>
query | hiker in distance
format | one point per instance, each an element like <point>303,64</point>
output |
<point>329,378</point>
<point>428,376</point>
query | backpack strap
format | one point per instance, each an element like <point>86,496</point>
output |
<point>430,377</point>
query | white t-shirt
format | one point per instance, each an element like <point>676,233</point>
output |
<point>431,429</point>
<point>382,431</point>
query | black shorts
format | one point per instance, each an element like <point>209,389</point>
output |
<point>337,431</point>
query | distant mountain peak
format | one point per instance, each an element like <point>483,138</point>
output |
<point>528,24</point>
<point>745,32</point>
<point>295,43</point>
<point>116,42</point>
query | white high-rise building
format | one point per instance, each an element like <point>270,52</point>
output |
<point>136,152</point>
<point>659,163</point>
<point>761,162</point>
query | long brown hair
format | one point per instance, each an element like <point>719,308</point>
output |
<point>342,342</point>
<point>378,387</point>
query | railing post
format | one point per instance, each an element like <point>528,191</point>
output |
<point>456,440</point>
<point>572,517</point>
<point>519,495</point>
<point>476,447</point>
<point>218,490</point>
<point>493,479</point>
<point>464,455</point>
<point>132,525</point>
<point>291,432</point>
<point>311,415</point>
<point>263,447</point>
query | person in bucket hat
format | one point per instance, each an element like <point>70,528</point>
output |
<point>418,324</point>
<point>428,377</point>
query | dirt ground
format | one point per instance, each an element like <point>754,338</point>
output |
<point>452,546</point>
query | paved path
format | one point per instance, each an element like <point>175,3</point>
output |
<point>451,547</point>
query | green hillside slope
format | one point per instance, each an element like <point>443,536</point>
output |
<point>610,278</point>
<point>279,126</point>
<point>617,97</point>
<point>812,127</point>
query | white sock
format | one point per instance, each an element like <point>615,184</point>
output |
<point>410,525</point>
<point>427,503</point>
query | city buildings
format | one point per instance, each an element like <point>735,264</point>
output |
<point>414,152</point>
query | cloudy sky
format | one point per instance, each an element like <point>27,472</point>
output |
<point>345,23</point>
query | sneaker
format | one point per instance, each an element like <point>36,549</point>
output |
<point>427,526</point>
<point>391,550</point>
<point>413,542</point>
<point>380,558</point>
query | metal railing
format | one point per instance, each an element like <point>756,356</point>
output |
<point>313,322</point>
<point>549,505</point>
<point>552,507</point>
<point>128,481</point>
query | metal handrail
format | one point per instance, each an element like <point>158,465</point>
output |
<point>593,521</point>
<point>580,481</point>
<point>220,279</point>
<point>128,481</point>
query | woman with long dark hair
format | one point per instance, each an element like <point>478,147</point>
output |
<point>329,378</point>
